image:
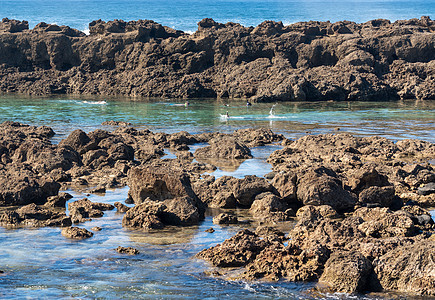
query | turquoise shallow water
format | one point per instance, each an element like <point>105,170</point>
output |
<point>184,14</point>
<point>40,263</point>
<point>394,120</point>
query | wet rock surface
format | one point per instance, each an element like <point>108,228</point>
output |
<point>359,202</point>
<point>76,233</point>
<point>127,250</point>
<point>270,62</point>
<point>355,217</point>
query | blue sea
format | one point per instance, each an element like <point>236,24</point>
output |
<point>185,14</point>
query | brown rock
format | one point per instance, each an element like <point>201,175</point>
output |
<point>234,252</point>
<point>76,233</point>
<point>347,272</point>
<point>225,218</point>
<point>225,147</point>
<point>318,187</point>
<point>146,215</point>
<point>127,250</point>
<point>416,276</point>
<point>82,210</point>
<point>122,208</point>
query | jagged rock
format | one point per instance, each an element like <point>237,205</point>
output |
<point>225,218</point>
<point>236,251</point>
<point>347,272</point>
<point>226,147</point>
<point>416,276</point>
<point>122,208</point>
<point>321,187</point>
<point>158,184</point>
<point>181,211</point>
<point>146,216</point>
<point>76,233</point>
<point>32,215</point>
<point>84,209</point>
<point>396,60</point>
<point>58,201</point>
<point>127,250</point>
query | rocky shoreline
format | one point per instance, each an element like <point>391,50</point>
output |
<point>306,61</point>
<point>358,203</point>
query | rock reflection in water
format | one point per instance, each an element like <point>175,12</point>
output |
<point>227,165</point>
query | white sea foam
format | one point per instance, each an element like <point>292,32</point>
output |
<point>95,102</point>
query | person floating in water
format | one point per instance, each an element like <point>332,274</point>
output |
<point>248,103</point>
<point>186,103</point>
<point>227,115</point>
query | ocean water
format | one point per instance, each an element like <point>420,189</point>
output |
<point>42,264</point>
<point>184,14</point>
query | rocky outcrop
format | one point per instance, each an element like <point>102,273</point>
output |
<point>347,272</point>
<point>32,215</point>
<point>76,233</point>
<point>271,62</point>
<point>127,250</point>
<point>408,269</point>
<point>84,209</point>
<point>223,147</point>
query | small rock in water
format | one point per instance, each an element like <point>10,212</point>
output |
<point>225,218</point>
<point>122,208</point>
<point>210,230</point>
<point>76,233</point>
<point>426,189</point>
<point>98,189</point>
<point>127,250</point>
<point>96,228</point>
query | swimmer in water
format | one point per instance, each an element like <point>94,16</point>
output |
<point>248,103</point>
<point>227,115</point>
<point>186,103</point>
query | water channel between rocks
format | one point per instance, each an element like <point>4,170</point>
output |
<point>41,263</point>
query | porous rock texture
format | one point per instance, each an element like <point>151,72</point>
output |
<point>376,60</point>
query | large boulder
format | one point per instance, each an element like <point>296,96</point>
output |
<point>158,184</point>
<point>408,269</point>
<point>84,209</point>
<point>236,251</point>
<point>146,215</point>
<point>20,186</point>
<point>32,215</point>
<point>347,272</point>
<point>224,148</point>
<point>321,187</point>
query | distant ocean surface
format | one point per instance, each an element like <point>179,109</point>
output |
<point>184,14</point>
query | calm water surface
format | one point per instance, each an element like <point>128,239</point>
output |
<point>41,263</point>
